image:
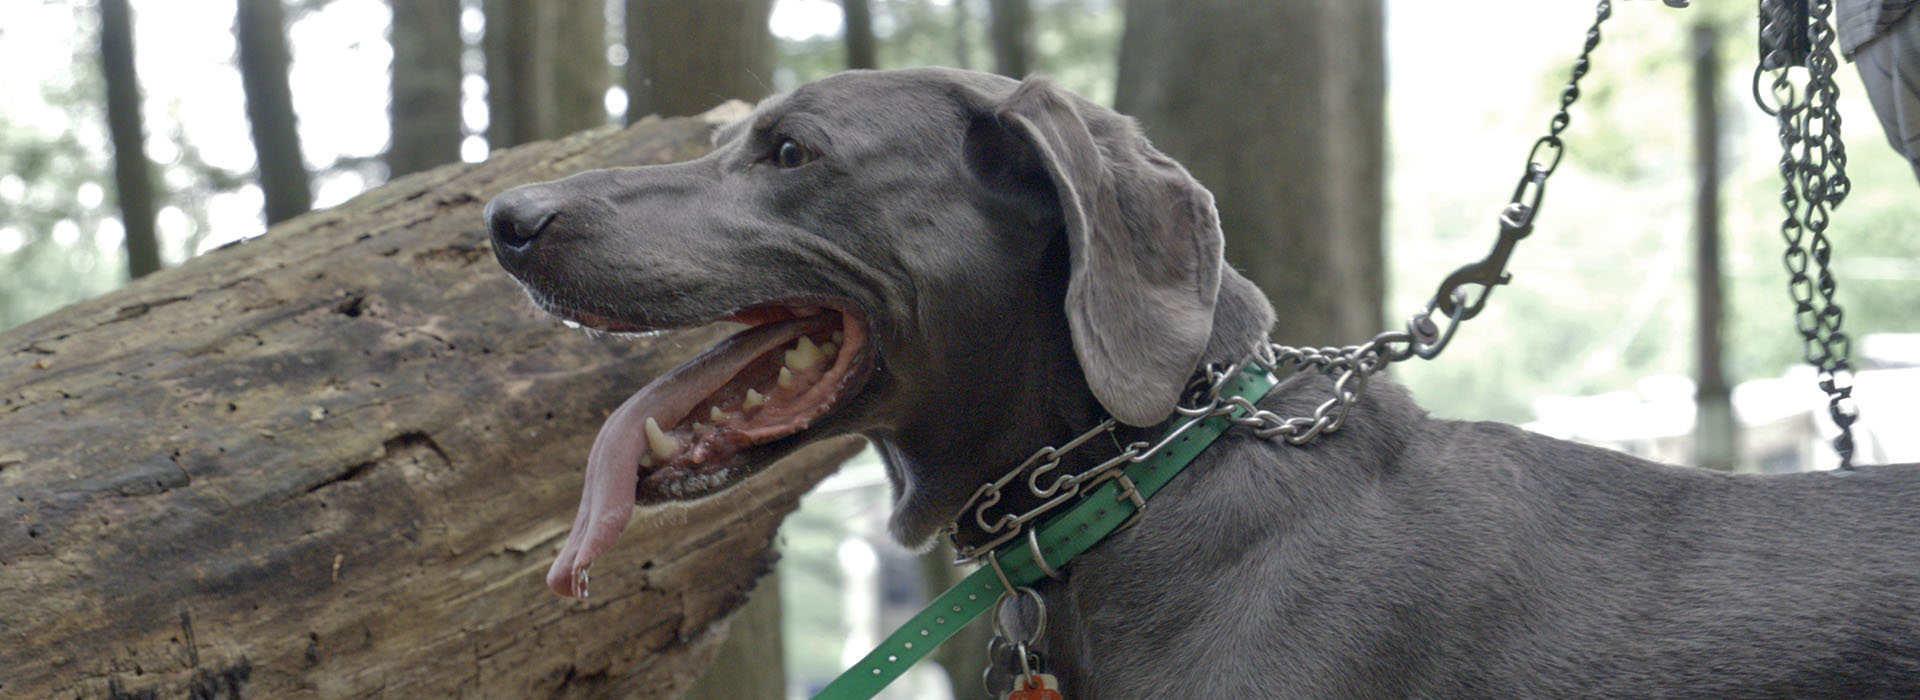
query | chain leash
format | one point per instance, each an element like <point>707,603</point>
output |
<point>1813,165</point>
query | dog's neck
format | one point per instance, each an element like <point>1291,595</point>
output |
<point>994,432</point>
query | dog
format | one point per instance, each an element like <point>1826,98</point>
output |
<point>963,268</point>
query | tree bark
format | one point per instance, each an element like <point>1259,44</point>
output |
<point>132,172</point>
<point>861,52</point>
<point>335,462</point>
<point>684,57</point>
<point>1011,32</point>
<point>261,28</point>
<point>425,109</point>
<point>1288,131</point>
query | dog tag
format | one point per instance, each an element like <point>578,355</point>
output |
<point>1039,686</point>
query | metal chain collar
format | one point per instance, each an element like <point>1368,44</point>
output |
<point>1813,163</point>
<point>1455,301</point>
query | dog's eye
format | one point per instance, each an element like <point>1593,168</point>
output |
<point>790,154</point>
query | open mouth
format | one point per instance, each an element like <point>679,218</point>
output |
<point>682,435</point>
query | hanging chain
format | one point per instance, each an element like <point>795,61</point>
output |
<point>1461,296</point>
<point>1456,299</point>
<point>1813,164</point>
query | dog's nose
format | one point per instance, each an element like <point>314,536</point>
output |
<point>516,217</point>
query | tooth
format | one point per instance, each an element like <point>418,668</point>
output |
<point>754,399</point>
<point>829,349</point>
<point>646,460</point>
<point>839,337</point>
<point>786,377</point>
<point>662,444</point>
<point>804,354</point>
<point>714,414</point>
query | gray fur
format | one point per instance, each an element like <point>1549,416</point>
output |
<point>1029,264</point>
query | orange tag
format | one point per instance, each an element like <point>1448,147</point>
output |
<point>1039,686</point>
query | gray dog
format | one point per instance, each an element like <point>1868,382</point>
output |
<point>964,268</point>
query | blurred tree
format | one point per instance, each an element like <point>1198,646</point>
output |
<point>859,34</point>
<point>685,57</point>
<point>581,71</point>
<point>518,54</point>
<point>132,171</point>
<point>425,109</point>
<point>1716,439</point>
<point>751,663</point>
<point>61,238</point>
<point>261,30</point>
<point>547,72</point>
<point>1287,130</point>
<point>53,245</point>
<point>1012,37</point>
<point>962,48</point>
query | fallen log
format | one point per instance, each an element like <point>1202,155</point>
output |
<point>335,461</point>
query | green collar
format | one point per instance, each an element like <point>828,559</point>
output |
<point>1102,510</point>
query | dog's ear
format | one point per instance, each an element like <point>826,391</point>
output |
<point>1145,244</point>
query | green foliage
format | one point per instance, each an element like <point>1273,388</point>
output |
<point>57,242</point>
<point>61,239</point>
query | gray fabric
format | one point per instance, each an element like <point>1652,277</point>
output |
<point>1860,21</point>
<point>1890,69</point>
<point>1402,556</point>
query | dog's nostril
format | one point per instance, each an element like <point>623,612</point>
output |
<point>515,220</point>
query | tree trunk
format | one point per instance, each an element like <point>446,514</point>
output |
<point>581,73</point>
<point>1011,31</point>
<point>1287,130</point>
<point>547,70</point>
<point>335,461</point>
<point>261,28</point>
<point>751,664</point>
<point>1716,432</point>
<point>132,172</point>
<point>684,57</point>
<point>519,57</point>
<point>962,23</point>
<point>859,34</point>
<point>425,111</point>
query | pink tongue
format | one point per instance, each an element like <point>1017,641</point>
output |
<point>613,466</point>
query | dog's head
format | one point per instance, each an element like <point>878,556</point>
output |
<point>911,252</point>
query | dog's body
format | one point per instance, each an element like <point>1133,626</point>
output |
<point>1411,557</point>
<point>1023,264</point>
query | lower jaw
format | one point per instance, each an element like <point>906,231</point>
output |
<point>741,438</point>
